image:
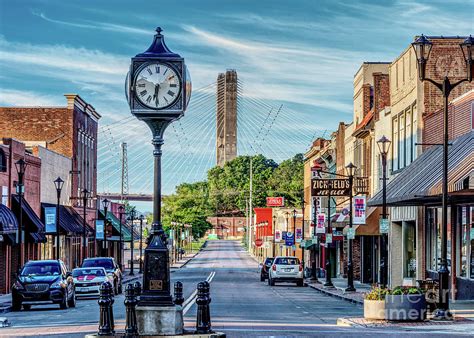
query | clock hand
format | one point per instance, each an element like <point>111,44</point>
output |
<point>155,96</point>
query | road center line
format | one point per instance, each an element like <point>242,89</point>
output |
<point>191,299</point>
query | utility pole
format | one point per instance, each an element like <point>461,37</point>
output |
<point>250,201</point>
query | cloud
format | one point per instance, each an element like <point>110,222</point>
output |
<point>25,98</point>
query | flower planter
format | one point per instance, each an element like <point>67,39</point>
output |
<point>374,309</point>
<point>405,307</point>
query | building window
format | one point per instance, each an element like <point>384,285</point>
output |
<point>401,141</point>
<point>414,135</point>
<point>408,143</point>
<point>3,161</point>
<point>395,145</point>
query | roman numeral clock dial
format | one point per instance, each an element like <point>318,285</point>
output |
<point>157,86</point>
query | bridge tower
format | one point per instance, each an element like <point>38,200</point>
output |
<point>124,190</point>
<point>226,117</point>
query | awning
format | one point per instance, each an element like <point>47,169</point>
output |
<point>70,222</point>
<point>420,182</point>
<point>8,221</point>
<point>371,226</point>
<point>31,222</point>
<point>126,236</point>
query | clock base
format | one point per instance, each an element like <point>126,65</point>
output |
<point>159,321</point>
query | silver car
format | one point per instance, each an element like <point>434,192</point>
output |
<point>88,280</point>
<point>286,269</point>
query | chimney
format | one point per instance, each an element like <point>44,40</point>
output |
<point>381,93</point>
<point>367,99</point>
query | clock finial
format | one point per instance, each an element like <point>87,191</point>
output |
<point>158,30</point>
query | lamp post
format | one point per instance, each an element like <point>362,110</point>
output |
<point>328,282</point>
<point>140,269</point>
<point>132,217</point>
<point>422,47</point>
<point>58,183</point>
<point>287,214</point>
<point>314,276</point>
<point>20,166</point>
<point>85,195</point>
<point>273,234</point>
<point>302,234</point>
<point>105,204</point>
<point>294,230</point>
<point>121,212</point>
<point>384,145</point>
<point>350,168</point>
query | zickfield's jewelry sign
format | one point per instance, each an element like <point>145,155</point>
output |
<point>330,187</point>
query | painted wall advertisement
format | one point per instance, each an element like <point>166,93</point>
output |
<point>99,229</point>
<point>320,221</point>
<point>277,235</point>
<point>50,220</point>
<point>359,210</point>
<point>299,235</point>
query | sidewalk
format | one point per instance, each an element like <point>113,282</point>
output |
<point>340,284</point>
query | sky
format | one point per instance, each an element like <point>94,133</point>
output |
<point>298,55</point>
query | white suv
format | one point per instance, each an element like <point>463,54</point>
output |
<point>286,269</point>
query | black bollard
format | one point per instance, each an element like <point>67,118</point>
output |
<point>110,291</point>
<point>131,327</point>
<point>203,320</point>
<point>104,302</point>
<point>178,293</point>
<point>137,287</point>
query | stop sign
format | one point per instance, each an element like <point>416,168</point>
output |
<point>258,242</point>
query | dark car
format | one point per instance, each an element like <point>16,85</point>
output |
<point>265,267</point>
<point>113,270</point>
<point>43,282</point>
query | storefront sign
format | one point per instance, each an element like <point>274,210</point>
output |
<point>277,235</point>
<point>99,229</point>
<point>275,201</point>
<point>384,226</point>
<point>359,210</point>
<point>283,235</point>
<point>321,220</point>
<point>351,233</point>
<point>299,235</point>
<point>330,187</point>
<point>50,220</point>
<point>328,238</point>
<point>290,239</point>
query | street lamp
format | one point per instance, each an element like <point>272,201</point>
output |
<point>384,145</point>
<point>422,47</point>
<point>314,276</point>
<point>302,234</point>
<point>105,205</point>
<point>273,234</point>
<point>140,269</point>
<point>287,214</point>
<point>58,183</point>
<point>132,217</point>
<point>350,169</point>
<point>20,166</point>
<point>85,195</point>
<point>121,212</point>
<point>294,230</point>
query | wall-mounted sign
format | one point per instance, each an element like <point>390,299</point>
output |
<point>275,201</point>
<point>50,220</point>
<point>330,187</point>
<point>99,229</point>
<point>299,235</point>
<point>277,235</point>
<point>320,222</point>
<point>359,210</point>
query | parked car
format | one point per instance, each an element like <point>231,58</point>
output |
<point>112,269</point>
<point>265,267</point>
<point>286,269</point>
<point>88,280</point>
<point>43,282</point>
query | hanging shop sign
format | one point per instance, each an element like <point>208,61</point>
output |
<point>360,208</point>
<point>290,239</point>
<point>275,201</point>
<point>50,220</point>
<point>330,187</point>
<point>99,229</point>
<point>299,235</point>
<point>277,235</point>
<point>384,226</point>
<point>320,221</point>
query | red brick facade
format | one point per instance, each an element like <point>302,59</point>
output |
<point>367,98</point>
<point>381,92</point>
<point>226,227</point>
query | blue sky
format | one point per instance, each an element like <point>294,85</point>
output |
<point>302,54</point>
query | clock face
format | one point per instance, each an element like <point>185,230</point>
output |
<point>157,85</point>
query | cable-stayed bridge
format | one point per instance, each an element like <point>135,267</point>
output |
<point>263,126</point>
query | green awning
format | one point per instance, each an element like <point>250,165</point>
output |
<point>126,235</point>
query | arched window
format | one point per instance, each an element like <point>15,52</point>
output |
<point>3,161</point>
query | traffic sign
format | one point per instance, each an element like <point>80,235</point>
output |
<point>384,226</point>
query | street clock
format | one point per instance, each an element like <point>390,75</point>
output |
<point>158,83</point>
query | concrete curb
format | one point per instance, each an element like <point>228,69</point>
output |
<point>337,295</point>
<point>348,323</point>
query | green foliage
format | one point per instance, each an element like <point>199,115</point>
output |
<point>377,293</point>
<point>287,181</point>
<point>406,290</point>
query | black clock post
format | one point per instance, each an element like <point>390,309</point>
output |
<point>158,91</point>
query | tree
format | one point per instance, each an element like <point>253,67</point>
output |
<point>287,180</point>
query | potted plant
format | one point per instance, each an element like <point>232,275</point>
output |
<point>374,303</point>
<point>405,304</point>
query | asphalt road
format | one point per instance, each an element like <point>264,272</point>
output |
<point>241,304</point>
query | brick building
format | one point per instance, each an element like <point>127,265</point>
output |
<point>228,227</point>
<point>10,152</point>
<point>70,131</point>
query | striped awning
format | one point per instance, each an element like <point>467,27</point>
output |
<point>8,221</point>
<point>421,182</point>
<point>33,226</point>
